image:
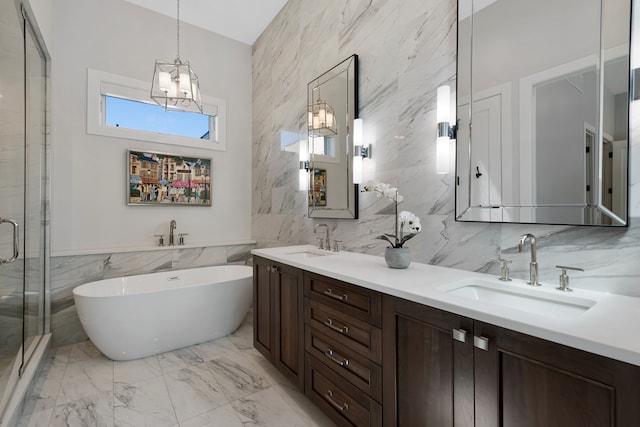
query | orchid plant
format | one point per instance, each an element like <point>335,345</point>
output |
<point>407,224</point>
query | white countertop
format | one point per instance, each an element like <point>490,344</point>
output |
<point>609,328</point>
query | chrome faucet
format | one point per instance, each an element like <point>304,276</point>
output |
<point>172,226</point>
<point>327,240</point>
<point>533,265</point>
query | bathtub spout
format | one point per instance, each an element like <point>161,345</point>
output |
<point>172,226</point>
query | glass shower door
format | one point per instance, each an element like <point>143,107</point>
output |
<point>12,191</point>
<point>35,194</point>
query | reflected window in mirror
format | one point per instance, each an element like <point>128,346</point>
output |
<point>543,92</point>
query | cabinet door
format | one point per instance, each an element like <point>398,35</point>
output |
<point>525,381</point>
<point>288,326</point>
<point>427,374</point>
<point>262,306</point>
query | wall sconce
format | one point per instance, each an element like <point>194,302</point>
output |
<point>303,173</point>
<point>445,132</point>
<point>360,150</point>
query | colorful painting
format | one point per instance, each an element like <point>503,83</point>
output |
<point>318,193</point>
<point>161,179</point>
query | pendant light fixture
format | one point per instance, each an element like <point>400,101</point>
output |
<point>175,85</point>
<point>322,117</point>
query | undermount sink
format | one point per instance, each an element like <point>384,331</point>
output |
<point>530,300</point>
<point>309,253</point>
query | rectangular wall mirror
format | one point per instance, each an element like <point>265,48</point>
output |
<point>332,107</point>
<point>543,111</point>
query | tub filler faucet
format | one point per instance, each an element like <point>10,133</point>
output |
<point>172,227</point>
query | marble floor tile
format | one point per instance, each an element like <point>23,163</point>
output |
<point>194,391</point>
<point>36,419</point>
<point>143,404</point>
<point>216,348</point>
<point>266,408</point>
<point>179,359</point>
<point>94,411</point>
<point>218,383</point>
<point>86,378</point>
<point>224,416</point>
<point>237,376</point>
<point>134,371</point>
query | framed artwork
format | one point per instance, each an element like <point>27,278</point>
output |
<point>318,193</point>
<point>163,179</point>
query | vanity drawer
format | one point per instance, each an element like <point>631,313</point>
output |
<point>360,371</point>
<point>347,331</point>
<point>341,401</point>
<point>361,303</point>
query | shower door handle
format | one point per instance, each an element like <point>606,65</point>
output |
<point>16,245</point>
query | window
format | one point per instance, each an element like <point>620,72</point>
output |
<point>122,108</point>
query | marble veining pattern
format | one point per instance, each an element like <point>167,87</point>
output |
<point>224,382</point>
<point>406,51</point>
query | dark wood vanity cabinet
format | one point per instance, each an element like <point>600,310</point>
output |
<point>441,369</point>
<point>343,350</point>
<point>278,316</point>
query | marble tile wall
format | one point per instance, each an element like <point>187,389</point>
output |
<point>406,50</point>
<point>67,272</point>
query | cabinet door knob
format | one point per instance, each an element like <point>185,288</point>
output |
<point>481,342</point>
<point>459,335</point>
<point>343,330</point>
<point>330,293</point>
<point>273,269</point>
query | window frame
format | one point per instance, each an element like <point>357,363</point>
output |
<point>100,84</point>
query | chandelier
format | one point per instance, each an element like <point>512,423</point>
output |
<point>175,85</point>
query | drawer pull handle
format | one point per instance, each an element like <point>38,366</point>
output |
<point>330,293</point>
<point>344,362</point>
<point>329,396</point>
<point>481,342</point>
<point>343,330</point>
<point>460,335</point>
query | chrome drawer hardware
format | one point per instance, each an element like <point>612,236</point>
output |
<point>459,335</point>
<point>481,342</point>
<point>273,269</point>
<point>330,293</point>
<point>329,353</point>
<point>343,330</point>
<point>329,396</point>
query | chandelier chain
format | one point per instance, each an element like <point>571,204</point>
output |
<point>178,28</point>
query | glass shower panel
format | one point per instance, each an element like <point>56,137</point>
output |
<point>12,164</point>
<point>34,240</point>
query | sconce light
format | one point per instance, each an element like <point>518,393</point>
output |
<point>360,150</point>
<point>445,132</point>
<point>303,156</point>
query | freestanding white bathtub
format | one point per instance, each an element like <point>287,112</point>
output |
<point>137,316</point>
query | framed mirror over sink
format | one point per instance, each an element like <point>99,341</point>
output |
<point>332,108</point>
<point>543,109</point>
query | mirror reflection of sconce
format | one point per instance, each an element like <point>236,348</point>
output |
<point>446,132</point>
<point>303,174</point>
<point>360,150</point>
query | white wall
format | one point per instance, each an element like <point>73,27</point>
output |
<point>89,210</point>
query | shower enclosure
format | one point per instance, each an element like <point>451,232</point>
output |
<point>23,189</point>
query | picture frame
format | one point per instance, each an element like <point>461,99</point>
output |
<point>318,193</point>
<point>165,179</point>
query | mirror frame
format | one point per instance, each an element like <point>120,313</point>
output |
<point>496,214</point>
<point>350,208</point>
